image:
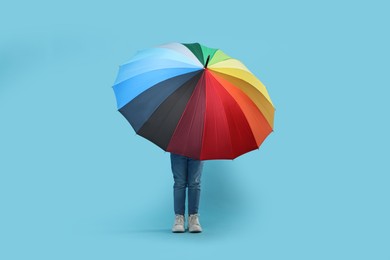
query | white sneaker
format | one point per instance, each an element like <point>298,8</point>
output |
<point>178,226</point>
<point>193,224</point>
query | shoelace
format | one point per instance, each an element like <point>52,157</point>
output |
<point>179,220</point>
<point>193,219</point>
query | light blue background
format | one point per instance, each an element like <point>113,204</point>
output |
<point>77,183</point>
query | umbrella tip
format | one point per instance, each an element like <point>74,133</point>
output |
<point>207,61</point>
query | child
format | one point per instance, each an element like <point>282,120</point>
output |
<point>186,173</point>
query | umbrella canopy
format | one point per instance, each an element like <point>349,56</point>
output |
<point>195,101</point>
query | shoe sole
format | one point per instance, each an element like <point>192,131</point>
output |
<point>195,231</point>
<point>178,231</point>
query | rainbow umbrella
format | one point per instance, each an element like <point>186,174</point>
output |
<point>195,101</point>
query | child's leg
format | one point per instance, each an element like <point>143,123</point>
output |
<point>195,168</point>
<point>179,170</point>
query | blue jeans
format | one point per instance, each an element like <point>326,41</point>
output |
<point>186,174</point>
